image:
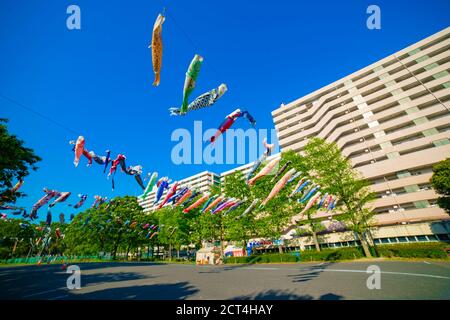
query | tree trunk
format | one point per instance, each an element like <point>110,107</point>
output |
<point>316,241</point>
<point>170,252</point>
<point>221,243</point>
<point>280,248</point>
<point>128,252</point>
<point>364,244</point>
<point>178,253</point>
<point>116,246</point>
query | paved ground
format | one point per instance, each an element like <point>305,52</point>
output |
<point>330,281</point>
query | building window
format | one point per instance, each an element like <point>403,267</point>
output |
<point>422,238</point>
<point>383,76</point>
<point>447,84</point>
<point>367,114</point>
<point>440,74</point>
<point>403,174</point>
<point>379,134</point>
<point>412,110</point>
<point>362,106</point>
<point>430,132</point>
<point>443,237</point>
<point>421,204</point>
<point>441,142</point>
<point>402,239</point>
<point>373,124</point>
<point>396,91</point>
<point>384,240</point>
<point>393,155</point>
<point>385,145</point>
<point>412,188</point>
<point>378,68</point>
<point>431,66</point>
<point>390,83</point>
<point>414,52</point>
<point>404,100</point>
<point>411,239</point>
<point>422,58</point>
<point>420,120</point>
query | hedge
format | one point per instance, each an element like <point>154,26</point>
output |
<point>325,255</point>
<point>434,250</point>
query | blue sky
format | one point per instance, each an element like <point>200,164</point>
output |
<point>97,81</point>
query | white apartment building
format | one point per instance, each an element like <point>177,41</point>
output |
<point>392,120</point>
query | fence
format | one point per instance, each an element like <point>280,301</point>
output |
<point>54,259</point>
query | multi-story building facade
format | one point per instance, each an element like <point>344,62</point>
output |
<point>392,120</point>
<point>201,181</point>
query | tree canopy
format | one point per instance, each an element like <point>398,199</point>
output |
<point>441,183</point>
<point>15,162</point>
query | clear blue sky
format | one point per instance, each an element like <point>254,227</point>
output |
<point>97,80</point>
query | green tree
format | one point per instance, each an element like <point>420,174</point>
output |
<point>440,181</point>
<point>15,162</point>
<point>335,174</point>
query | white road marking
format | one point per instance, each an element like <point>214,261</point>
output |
<point>357,271</point>
<point>43,292</point>
<point>58,297</point>
<point>390,272</point>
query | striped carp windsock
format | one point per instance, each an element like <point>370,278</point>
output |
<point>190,80</point>
<point>169,194</point>
<point>203,101</point>
<point>331,204</point>
<point>327,201</point>
<point>224,205</point>
<point>321,202</point>
<point>17,186</point>
<point>264,171</point>
<point>150,185</point>
<point>178,195</point>
<point>278,186</point>
<point>311,202</point>
<point>295,176</point>
<point>79,148</point>
<point>214,203</point>
<point>184,197</point>
<point>299,183</point>
<point>261,159</point>
<point>250,208</point>
<point>309,194</point>
<point>303,185</point>
<point>154,234</point>
<point>281,170</point>
<point>157,48</point>
<point>196,203</point>
<point>194,195</point>
<point>234,207</point>
<point>208,202</point>
<point>61,198</point>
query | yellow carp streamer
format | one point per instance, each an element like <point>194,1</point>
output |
<point>157,48</point>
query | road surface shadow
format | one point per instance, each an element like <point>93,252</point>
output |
<point>311,272</point>
<point>286,295</point>
<point>48,281</point>
<point>91,279</point>
<point>167,291</point>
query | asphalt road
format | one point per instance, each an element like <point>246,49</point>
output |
<point>305,281</point>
